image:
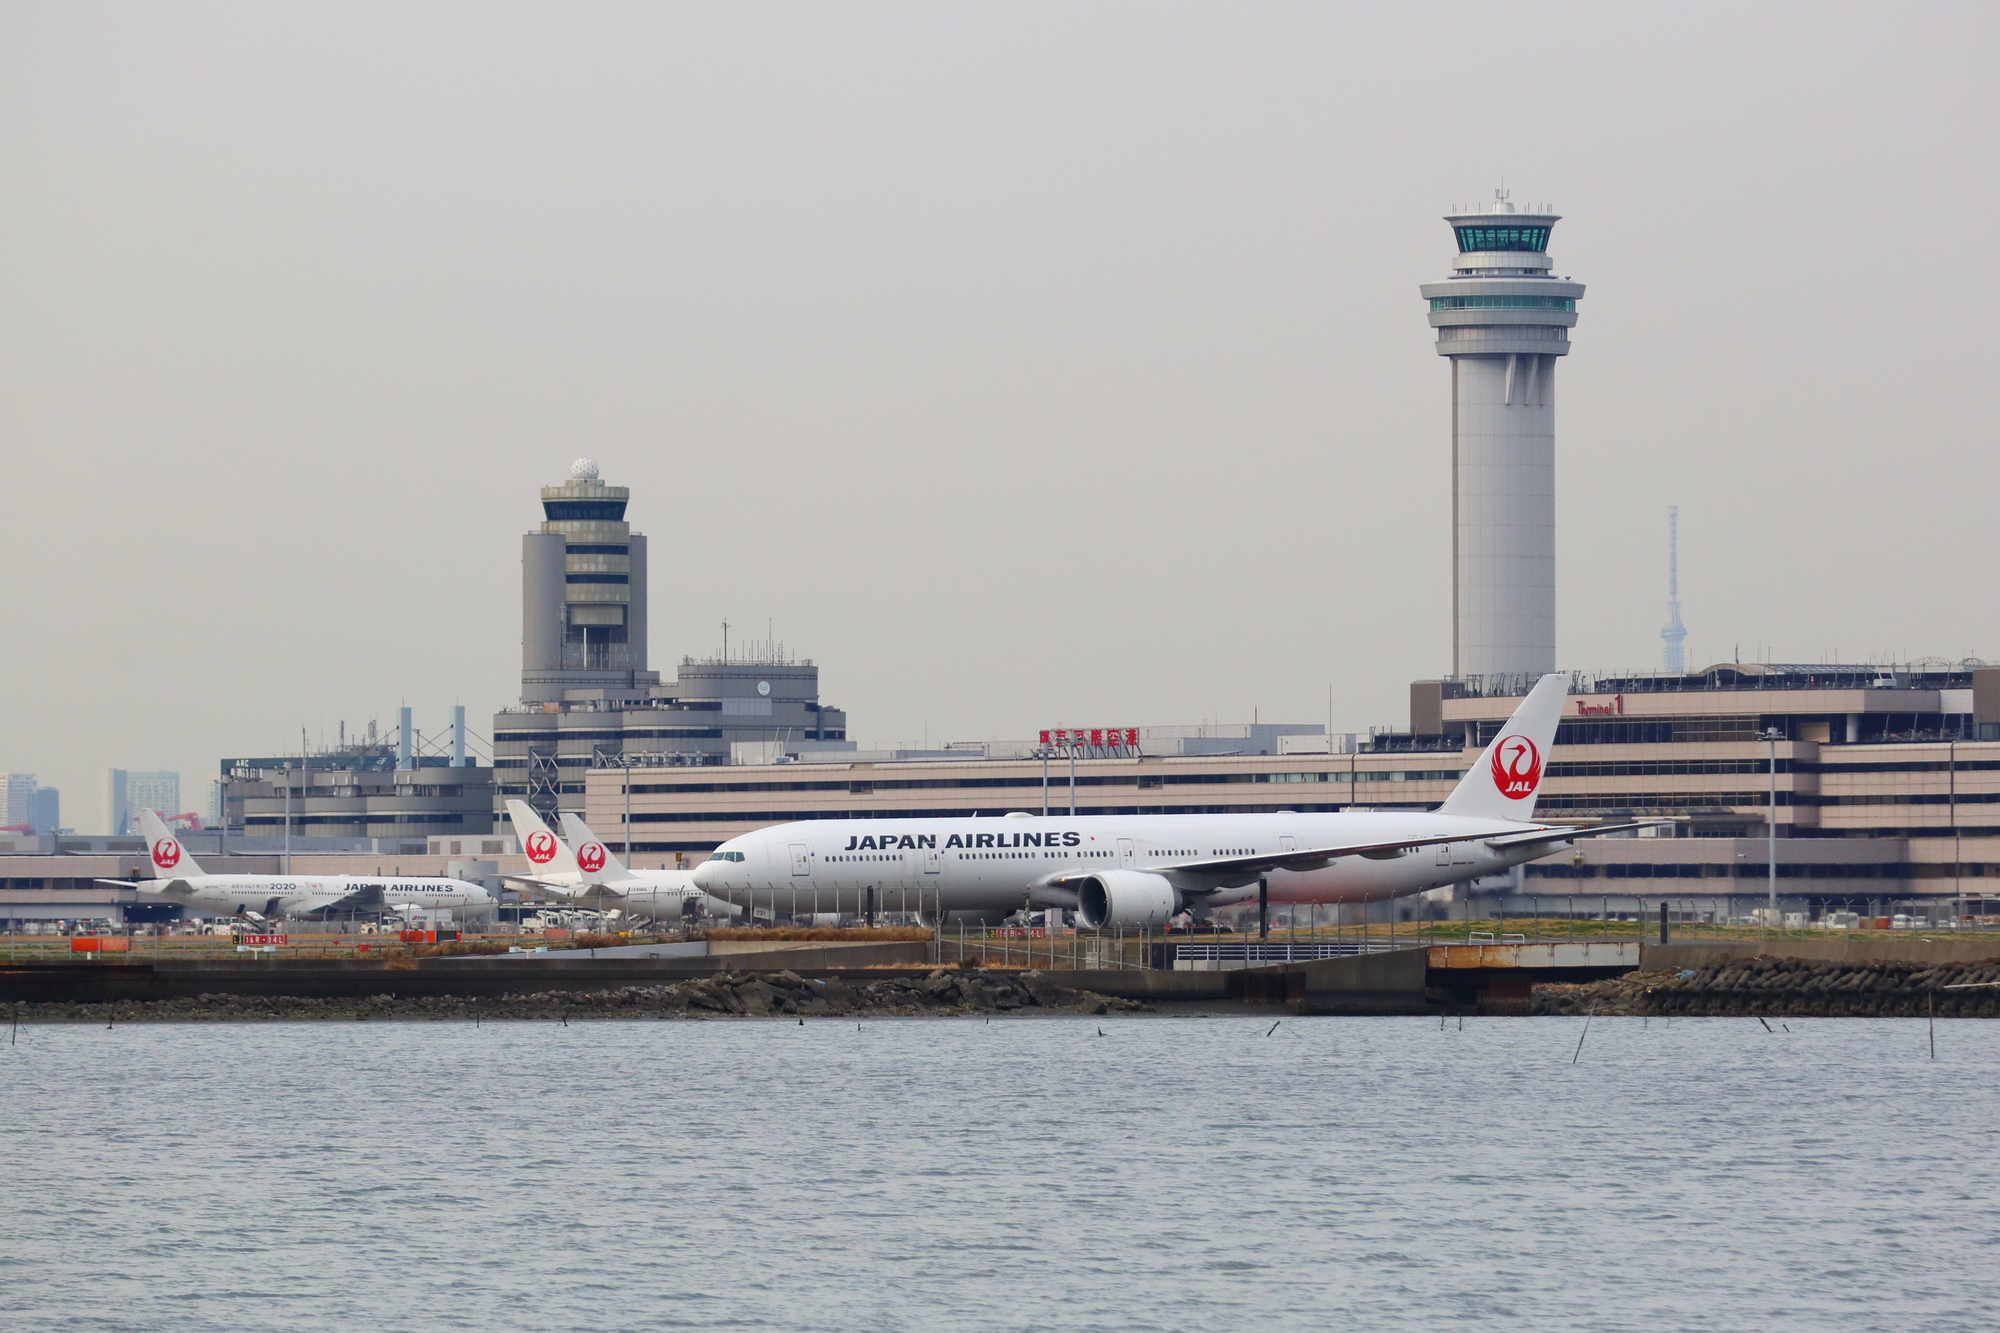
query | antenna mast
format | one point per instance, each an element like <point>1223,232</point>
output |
<point>1673,658</point>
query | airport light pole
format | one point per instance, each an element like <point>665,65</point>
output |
<point>1772,736</point>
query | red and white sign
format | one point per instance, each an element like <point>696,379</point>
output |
<point>590,857</point>
<point>263,941</point>
<point>541,847</point>
<point>1517,767</point>
<point>166,853</point>
<point>1098,737</point>
<point>1616,708</point>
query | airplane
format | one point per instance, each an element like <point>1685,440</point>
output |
<point>581,868</point>
<point>175,876</point>
<point>1142,870</point>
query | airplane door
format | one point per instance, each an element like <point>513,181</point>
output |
<point>1124,851</point>
<point>933,860</point>
<point>1288,844</point>
<point>1444,853</point>
<point>799,865</point>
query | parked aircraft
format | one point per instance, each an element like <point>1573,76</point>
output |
<point>174,876</point>
<point>581,868</point>
<point>1142,870</point>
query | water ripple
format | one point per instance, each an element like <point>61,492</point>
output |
<point>923,1174</point>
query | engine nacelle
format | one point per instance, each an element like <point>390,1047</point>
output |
<point>1126,898</point>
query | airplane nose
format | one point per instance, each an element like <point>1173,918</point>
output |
<point>703,876</point>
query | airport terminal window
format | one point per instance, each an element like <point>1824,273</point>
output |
<point>597,578</point>
<point>1491,303</point>
<point>605,548</point>
<point>1502,238</point>
<point>1664,768</point>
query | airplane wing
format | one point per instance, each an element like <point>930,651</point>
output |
<point>1572,834</point>
<point>1242,869</point>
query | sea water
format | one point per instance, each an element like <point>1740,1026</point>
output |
<point>1109,1173</point>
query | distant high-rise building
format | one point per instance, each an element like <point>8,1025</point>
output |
<point>32,808</point>
<point>126,794</point>
<point>1503,320</point>
<point>145,791</point>
<point>20,812</point>
<point>46,810</point>
<point>1673,656</point>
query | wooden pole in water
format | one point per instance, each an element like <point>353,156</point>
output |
<point>1930,1004</point>
<point>1581,1035</point>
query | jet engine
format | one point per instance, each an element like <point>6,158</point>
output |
<point>1126,898</point>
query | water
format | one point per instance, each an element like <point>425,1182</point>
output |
<point>1024,1174</point>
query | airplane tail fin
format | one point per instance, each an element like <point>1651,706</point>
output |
<point>592,856</point>
<point>165,857</point>
<point>1503,781</point>
<point>544,850</point>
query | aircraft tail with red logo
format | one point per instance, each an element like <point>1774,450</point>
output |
<point>1503,782</point>
<point>165,857</point>
<point>546,853</point>
<point>592,856</point>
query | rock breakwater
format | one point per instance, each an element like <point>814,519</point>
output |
<point>1767,986</point>
<point>725,995</point>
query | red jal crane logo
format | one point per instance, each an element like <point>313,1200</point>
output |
<point>1517,767</point>
<point>590,857</point>
<point>541,847</point>
<point>166,853</point>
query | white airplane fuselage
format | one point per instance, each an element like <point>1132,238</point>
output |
<point>292,895</point>
<point>964,864</point>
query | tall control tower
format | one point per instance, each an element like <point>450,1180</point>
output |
<point>1503,320</point>
<point>583,593</point>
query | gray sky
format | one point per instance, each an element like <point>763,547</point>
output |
<point>1028,365</point>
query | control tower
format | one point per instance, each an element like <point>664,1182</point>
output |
<point>1503,320</point>
<point>583,593</point>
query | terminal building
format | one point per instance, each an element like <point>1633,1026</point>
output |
<point>360,795</point>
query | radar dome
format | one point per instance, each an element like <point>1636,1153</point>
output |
<point>583,469</point>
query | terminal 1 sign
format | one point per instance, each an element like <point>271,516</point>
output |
<point>1092,738</point>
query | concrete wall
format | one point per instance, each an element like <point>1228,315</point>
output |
<point>1850,949</point>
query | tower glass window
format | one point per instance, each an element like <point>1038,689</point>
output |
<point>1491,303</point>
<point>576,511</point>
<point>1502,238</point>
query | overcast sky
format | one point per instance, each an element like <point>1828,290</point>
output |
<point>1025,364</point>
